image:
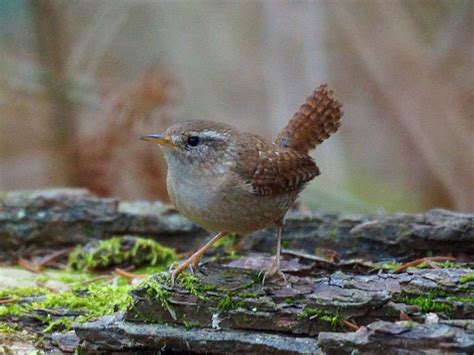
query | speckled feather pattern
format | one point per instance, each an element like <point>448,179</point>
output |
<point>239,182</point>
<point>314,122</point>
<point>272,170</point>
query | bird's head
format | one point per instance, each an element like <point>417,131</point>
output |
<point>195,142</point>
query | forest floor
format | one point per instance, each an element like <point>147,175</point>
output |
<point>81,272</point>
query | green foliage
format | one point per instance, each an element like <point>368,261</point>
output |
<point>113,252</point>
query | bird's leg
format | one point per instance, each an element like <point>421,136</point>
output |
<point>194,259</point>
<point>275,267</point>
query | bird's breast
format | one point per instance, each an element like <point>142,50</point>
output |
<point>222,204</point>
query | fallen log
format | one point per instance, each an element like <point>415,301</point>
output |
<point>115,333</point>
<point>228,305</point>
<point>73,216</point>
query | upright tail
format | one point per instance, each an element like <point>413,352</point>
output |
<point>314,122</point>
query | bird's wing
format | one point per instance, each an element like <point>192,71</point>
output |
<point>271,170</point>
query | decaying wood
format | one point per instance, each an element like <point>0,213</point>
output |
<point>114,333</point>
<point>332,303</point>
<point>446,337</point>
<point>308,313</point>
<point>64,217</point>
<point>68,217</point>
<point>307,302</point>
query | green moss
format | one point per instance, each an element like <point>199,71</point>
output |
<point>465,299</point>
<point>229,302</point>
<point>247,294</point>
<point>441,265</point>
<point>387,265</point>
<point>427,303</point>
<point>467,278</point>
<point>154,287</point>
<point>91,301</point>
<point>58,324</point>
<point>392,265</point>
<point>17,293</point>
<point>285,243</point>
<point>314,313</point>
<point>114,251</point>
<point>190,325</point>
<point>226,242</point>
<point>191,283</point>
<point>333,234</point>
<point>449,265</point>
<point>4,328</point>
<point>11,310</point>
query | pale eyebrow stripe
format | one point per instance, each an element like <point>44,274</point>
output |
<point>212,135</point>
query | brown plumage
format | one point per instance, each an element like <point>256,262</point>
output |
<point>314,122</point>
<point>226,180</point>
<point>286,165</point>
<point>272,170</point>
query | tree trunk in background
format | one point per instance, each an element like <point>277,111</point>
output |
<point>51,46</point>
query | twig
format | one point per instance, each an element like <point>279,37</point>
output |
<point>404,316</point>
<point>432,265</point>
<point>25,264</point>
<point>127,274</point>
<point>8,300</point>
<point>186,254</point>
<point>48,258</point>
<point>307,256</point>
<point>422,260</point>
<point>351,326</point>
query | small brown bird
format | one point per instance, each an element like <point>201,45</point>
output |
<point>228,181</point>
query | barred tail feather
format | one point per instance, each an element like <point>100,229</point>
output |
<point>314,122</point>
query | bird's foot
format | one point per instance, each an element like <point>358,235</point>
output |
<point>192,263</point>
<point>273,270</point>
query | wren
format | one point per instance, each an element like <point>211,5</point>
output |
<point>229,181</point>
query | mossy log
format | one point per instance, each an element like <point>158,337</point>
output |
<point>113,333</point>
<point>64,217</point>
<point>228,306</point>
<point>72,216</point>
<point>405,337</point>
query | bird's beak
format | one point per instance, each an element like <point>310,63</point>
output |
<point>161,139</point>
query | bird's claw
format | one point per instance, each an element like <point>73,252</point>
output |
<point>192,264</point>
<point>270,272</point>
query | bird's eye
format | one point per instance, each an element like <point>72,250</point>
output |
<point>193,141</point>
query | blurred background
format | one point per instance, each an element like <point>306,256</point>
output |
<point>81,80</point>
